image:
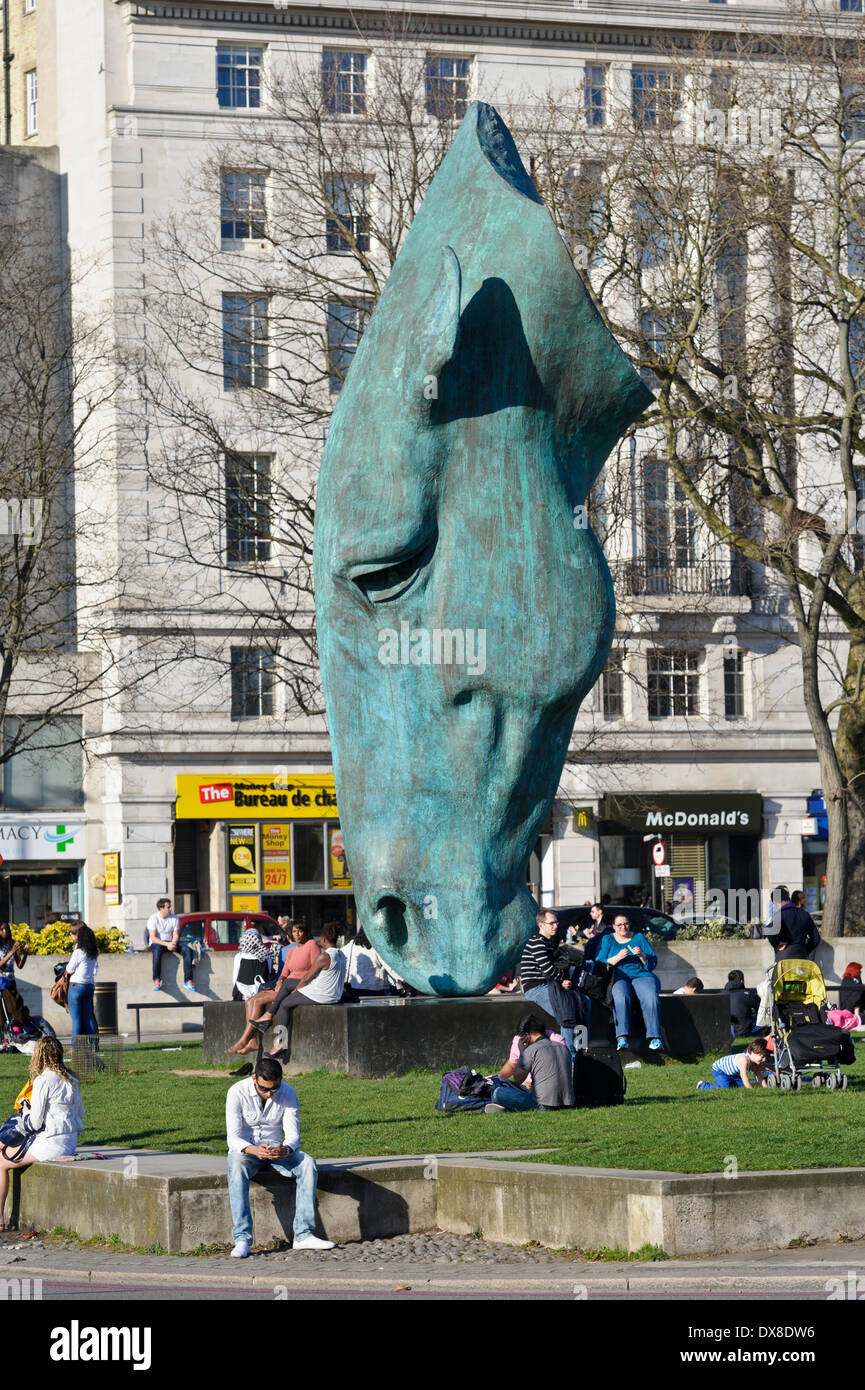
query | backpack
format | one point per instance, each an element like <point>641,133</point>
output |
<point>598,1077</point>
<point>595,979</point>
<point>461,1090</point>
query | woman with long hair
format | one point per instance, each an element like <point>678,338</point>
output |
<point>11,954</point>
<point>55,1110</point>
<point>81,974</point>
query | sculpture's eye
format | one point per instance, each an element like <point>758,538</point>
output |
<point>379,583</point>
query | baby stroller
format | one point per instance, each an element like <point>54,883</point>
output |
<point>806,1046</point>
<point>18,1026</point>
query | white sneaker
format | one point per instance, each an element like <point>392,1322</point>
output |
<point>241,1250</point>
<point>313,1243</point>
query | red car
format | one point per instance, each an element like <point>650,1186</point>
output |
<point>221,931</point>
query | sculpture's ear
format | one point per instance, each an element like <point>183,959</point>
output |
<point>438,337</point>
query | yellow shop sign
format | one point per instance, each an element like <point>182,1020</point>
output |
<point>257,796</point>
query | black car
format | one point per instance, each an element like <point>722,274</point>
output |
<point>644,919</point>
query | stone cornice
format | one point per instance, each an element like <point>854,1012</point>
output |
<point>612,25</point>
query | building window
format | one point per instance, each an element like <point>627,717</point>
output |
<point>251,682</point>
<point>654,346</point>
<point>447,87</point>
<point>29,6</point>
<point>858,528</point>
<point>346,320</point>
<point>244,340</point>
<point>242,199</point>
<point>613,686</point>
<point>651,235</point>
<point>238,75</point>
<point>851,5</point>
<point>343,82</point>
<point>31,91</point>
<point>673,683</point>
<point>347,219</point>
<point>595,89</point>
<point>48,773</point>
<point>734,685</point>
<point>247,507</point>
<point>853,117</point>
<point>656,94</point>
<point>856,246</point>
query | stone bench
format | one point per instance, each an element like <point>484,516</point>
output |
<point>393,1036</point>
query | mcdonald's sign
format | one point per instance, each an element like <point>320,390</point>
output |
<point>583,818</point>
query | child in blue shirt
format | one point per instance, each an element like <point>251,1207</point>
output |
<point>733,1069</point>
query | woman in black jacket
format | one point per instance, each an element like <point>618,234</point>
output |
<point>851,994</point>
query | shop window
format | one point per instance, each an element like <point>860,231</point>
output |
<point>673,683</point>
<point>734,685</point>
<point>308,856</point>
<point>613,687</point>
<point>48,772</point>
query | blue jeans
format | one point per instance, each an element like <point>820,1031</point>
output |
<point>158,949</point>
<point>513,1097</point>
<point>81,1015</point>
<point>546,997</point>
<point>722,1082</point>
<point>297,1165</point>
<point>647,988</point>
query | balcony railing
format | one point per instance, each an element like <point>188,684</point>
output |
<point>728,578</point>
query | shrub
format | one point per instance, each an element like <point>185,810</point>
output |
<point>56,939</point>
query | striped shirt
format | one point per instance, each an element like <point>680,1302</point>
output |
<point>537,964</point>
<point>729,1065</point>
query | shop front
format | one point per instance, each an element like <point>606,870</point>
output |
<point>275,844</point>
<point>686,855</point>
<point>815,850</point>
<point>41,867</point>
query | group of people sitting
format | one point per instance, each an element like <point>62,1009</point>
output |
<point>546,977</point>
<point>293,969</point>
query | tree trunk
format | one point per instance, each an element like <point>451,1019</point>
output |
<point>850,745</point>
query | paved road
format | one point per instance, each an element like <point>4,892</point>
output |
<point>814,1274</point>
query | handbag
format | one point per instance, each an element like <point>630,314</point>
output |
<point>16,1136</point>
<point>595,980</point>
<point>59,991</point>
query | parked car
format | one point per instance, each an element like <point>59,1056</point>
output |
<point>221,931</point>
<point>644,919</point>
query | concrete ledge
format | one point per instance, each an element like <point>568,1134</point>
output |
<point>180,1202</point>
<point>390,1038</point>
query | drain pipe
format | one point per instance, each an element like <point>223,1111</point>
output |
<point>7,73</point>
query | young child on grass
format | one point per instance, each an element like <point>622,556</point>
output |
<point>733,1069</point>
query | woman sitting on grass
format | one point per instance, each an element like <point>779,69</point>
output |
<point>733,1069</point>
<point>56,1110</point>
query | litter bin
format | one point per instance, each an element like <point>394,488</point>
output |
<point>105,1007</point>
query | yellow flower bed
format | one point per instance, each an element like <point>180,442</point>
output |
<point>56,940</point>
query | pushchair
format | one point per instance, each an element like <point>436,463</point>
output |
<point>806,1047</point>
<point>18,1026</point>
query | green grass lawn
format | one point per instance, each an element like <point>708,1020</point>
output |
<point>665,1124</point>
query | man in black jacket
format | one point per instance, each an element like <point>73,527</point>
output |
<point>797,937</point>
<point>547,983</point>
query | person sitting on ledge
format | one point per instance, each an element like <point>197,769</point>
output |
<point>693,986</point>
<point>323,983</point>
<point>297,962</point>
<point>634,962</point>
<point>545,1064</point>
<point>262,1120</point>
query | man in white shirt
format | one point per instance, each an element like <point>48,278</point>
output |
<point>263,1125</point>
<point>163,928</point>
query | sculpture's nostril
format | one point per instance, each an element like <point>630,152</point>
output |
<point>390,914</point>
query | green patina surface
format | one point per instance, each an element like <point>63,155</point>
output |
<point>463,609</point>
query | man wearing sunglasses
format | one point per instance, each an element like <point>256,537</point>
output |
<point>263,1124</point>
